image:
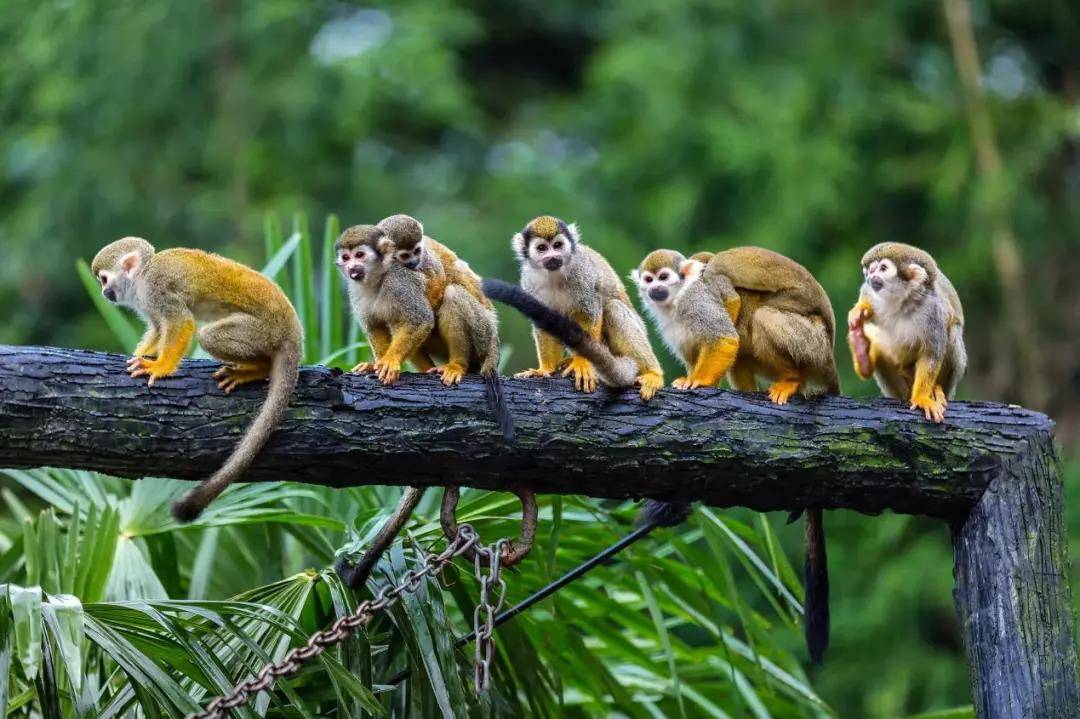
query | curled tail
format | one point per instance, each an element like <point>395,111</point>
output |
<point>284,371</point>
<point>354,575</point>
<point>614,371</point>
<point>816,583</point>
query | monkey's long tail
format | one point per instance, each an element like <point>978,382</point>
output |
<point>284,371</point>
<point>489,370</point>
<point>614,371</point>
<point>354,575</point>
<point>816,587</point>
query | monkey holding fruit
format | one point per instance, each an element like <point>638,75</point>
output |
<point>907,328</point>
<point>250,326</point>
<point>576,300</point>
<point>744,313</point>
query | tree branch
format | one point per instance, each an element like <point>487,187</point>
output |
<point>78,409</point>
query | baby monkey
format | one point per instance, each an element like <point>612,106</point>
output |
<point>250,326</point>
<point>749,312</point>
<point>907,328</point>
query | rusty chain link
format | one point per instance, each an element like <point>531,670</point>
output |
<point>485,611</point>
<point>343,628</point>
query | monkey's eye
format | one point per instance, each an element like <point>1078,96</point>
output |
<point>344,256</point>
<point>557,244</point>
<point>103,278</point>
<point>664,276</point>
<point>541,247</point>
<point>647,279</point>
<point>417,251</point>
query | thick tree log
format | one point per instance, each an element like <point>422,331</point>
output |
<point>1012,592</point>
<point>79,409</point>
<point>990,469</point>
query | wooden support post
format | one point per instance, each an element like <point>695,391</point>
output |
<point>1012,592</point>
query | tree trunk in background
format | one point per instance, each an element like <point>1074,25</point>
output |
<point>1027,380</point>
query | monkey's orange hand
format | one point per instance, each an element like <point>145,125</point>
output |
<point>585,379</point>
<point>451,372</point>
<point>860,345</point>
<point>686,383</point>
<point>530,373</point>
<point>931,406</point>
<point>363,367</point>
<point>388,371</point>
<point>154,369</point>
<point>649,383</point>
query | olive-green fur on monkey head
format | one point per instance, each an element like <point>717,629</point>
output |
<point>116,266</point>
<point>547,242</point>
<point>662,274</point>
<point>358,252</point>
<point>405,237</point>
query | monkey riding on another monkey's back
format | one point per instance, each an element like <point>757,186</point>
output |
<point>250,325</point>
<point>907,328</point>
<point>746,313</point>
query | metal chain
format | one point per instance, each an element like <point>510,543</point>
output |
<point>343,628</point>
<point>485,611</point>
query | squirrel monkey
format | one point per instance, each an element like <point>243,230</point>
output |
<point>393,305</point>
<point>907,328</point>
<point>250,325</point>
<point>749,312</point>
<point>576,300</point>
<point>416,251</point>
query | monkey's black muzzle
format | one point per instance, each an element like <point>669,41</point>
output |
<point>659,294</point>
<point>552,263</point>
<point>412,264</point>
<point>110,295</point>
<point>876,283</point>
<point>356,273</point>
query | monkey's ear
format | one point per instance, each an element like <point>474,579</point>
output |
<point>691,269</point>
<point>385,246</point>
<point>574,233</point>
<point>635,277</point>
<point>519,244</point>
<point>130,262</point>
<point>915,273</point>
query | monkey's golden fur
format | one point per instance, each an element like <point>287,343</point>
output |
<point>249,325</point>
<point>908,333</point>
<point>586,289</point>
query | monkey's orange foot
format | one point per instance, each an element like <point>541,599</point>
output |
<point>584,375</point>
<point>363,367</point>
<point>229,378</point>
<point>930,406</point>
<point>685,383</point>
<point>939,395</point>
<point>530,373</point>
<point>649,382</point>
<point>153,369</point>
<point>451,372</point>
<point>780,392</point>
<point>388,371</point>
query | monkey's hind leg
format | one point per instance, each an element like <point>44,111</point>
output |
<point>238,341</point>
<point>793,347</point>
<point>453,324</point>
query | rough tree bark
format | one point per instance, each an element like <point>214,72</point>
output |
<point>990,470</point>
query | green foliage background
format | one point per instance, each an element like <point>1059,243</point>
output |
<point>813,129</point>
